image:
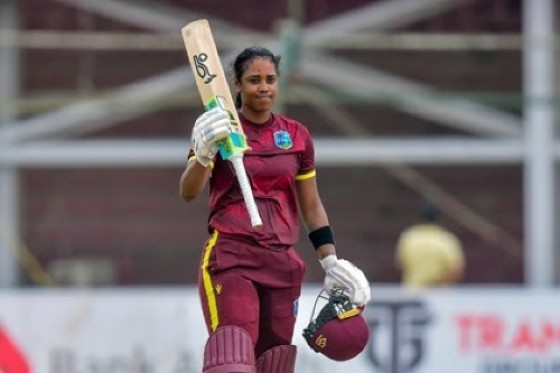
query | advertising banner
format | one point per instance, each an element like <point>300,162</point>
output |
<point>157,330</point>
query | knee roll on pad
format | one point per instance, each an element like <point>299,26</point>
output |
<point>229,350</point>
<point>279,359</point>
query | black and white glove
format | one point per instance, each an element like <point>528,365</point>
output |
<point>209,128</point>
<point>341,274</point>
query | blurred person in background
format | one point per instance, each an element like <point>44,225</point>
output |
<point>250,279</point>
<point>428,254</point>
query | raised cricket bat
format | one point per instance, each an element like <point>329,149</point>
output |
<point>214,91</point>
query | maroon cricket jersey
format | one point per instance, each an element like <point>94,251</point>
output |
<point>281,152</point>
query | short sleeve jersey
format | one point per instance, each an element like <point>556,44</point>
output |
<point>281,154</point>
<point>426,252</point>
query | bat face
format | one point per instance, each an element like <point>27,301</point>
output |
<point>212,83</point>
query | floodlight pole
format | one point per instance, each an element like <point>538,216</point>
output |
<point>9,179</point>
<point>538,81</point>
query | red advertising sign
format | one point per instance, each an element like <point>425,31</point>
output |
<point>12,360</point>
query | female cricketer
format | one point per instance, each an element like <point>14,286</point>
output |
<point>250,279</point>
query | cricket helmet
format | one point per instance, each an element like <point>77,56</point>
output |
<point>339,331</point>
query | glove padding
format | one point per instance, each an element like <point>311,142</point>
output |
<point>341,274</point>
<point>209,128</point>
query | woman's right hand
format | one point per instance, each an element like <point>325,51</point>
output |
<point>209,128</point>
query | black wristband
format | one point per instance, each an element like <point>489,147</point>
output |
<point>321,236</point>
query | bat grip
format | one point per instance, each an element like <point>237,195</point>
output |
<point>237,161</point>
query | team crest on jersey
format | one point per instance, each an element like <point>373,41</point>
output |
<point>283,140</point>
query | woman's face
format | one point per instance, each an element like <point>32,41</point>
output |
<point>258,86</point>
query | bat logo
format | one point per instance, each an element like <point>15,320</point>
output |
<point>202,69</point>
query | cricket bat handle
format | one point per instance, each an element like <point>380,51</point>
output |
<point>237,161</point>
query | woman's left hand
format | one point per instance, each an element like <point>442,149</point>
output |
<point>342,274</point>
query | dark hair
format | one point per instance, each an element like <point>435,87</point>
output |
<point>429,211</point>
<point>243,60</point>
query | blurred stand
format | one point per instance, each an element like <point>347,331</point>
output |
<point>82,272</point>
<point>356,73</point>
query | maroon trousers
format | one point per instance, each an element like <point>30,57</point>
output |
<point>252,287</point>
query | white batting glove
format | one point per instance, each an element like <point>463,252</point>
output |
<point>209,128</point>
<point>341,274</point>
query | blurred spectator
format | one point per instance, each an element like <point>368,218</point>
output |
<point>429,255</point>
